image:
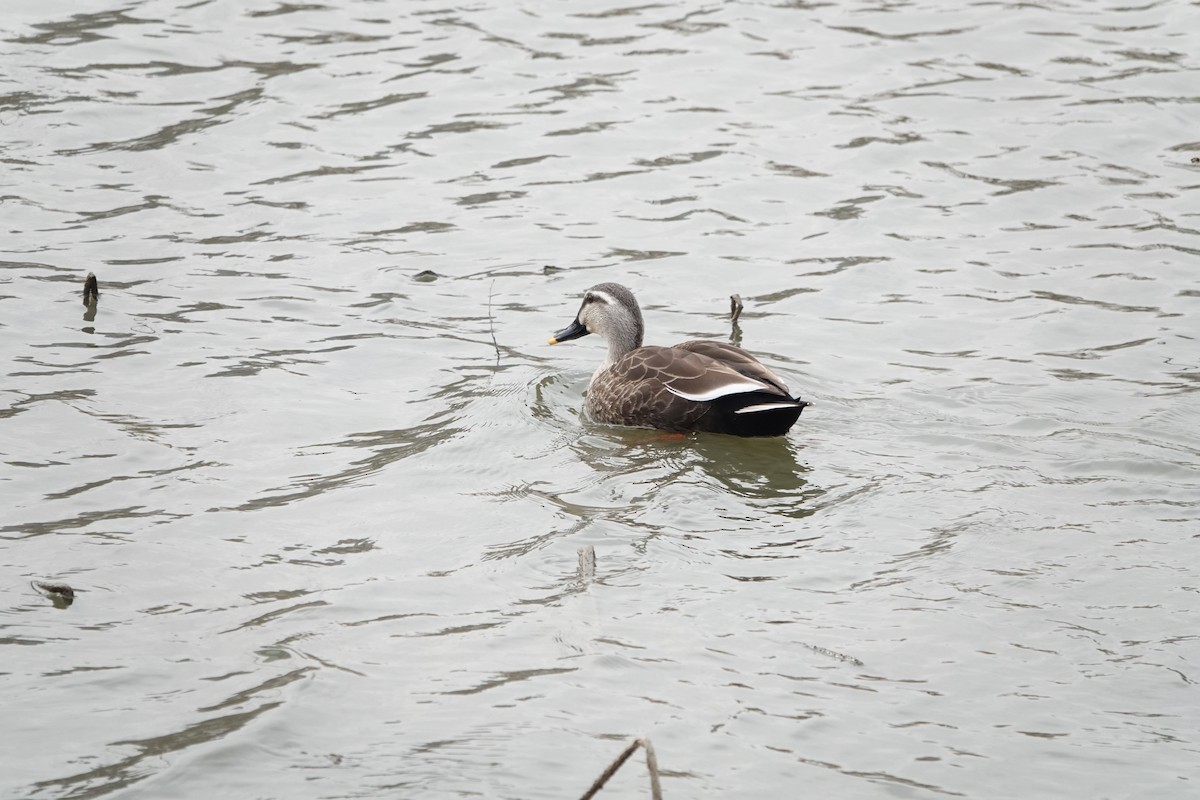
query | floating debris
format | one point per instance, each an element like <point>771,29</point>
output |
<point>651,767</point>
<point>735,312</point>
<point>587,563</point>
<point>550,269</point>
<point>91,289</point>
<point>426,276</point>
<point>62,594</point>
<point>825,651</point>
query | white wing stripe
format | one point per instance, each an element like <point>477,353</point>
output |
<point>764,407</point>
<point>723,390</point>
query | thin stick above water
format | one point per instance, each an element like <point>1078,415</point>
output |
<point>91,289</point>
<point>491,324</point>
<point>735,312</point>
<point>651,767</point>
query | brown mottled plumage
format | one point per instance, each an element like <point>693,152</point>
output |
<point>694,386</point>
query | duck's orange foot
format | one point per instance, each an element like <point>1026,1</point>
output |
<point>663,437</point>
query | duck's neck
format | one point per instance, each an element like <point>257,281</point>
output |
<point>615,351</point>
<point>621,340</point>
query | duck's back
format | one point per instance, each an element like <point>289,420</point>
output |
<point>737,359</point>
<point>698,385</point>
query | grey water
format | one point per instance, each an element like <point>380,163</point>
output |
<point>320,485</point>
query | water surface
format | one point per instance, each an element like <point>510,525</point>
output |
<point>320,484</point>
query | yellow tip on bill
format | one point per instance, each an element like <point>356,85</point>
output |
<point>553,340</point>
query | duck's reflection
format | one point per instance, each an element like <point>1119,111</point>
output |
<point>763,469</point>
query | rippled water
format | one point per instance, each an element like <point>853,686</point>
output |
<point>319,484</point>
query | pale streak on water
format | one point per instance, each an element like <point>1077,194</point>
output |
<point>323,511</point>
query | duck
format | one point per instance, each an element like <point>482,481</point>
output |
<point>694,386</point>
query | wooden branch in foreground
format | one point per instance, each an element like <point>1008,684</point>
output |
<point>651,767</point>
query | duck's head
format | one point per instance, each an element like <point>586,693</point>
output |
<point>610,310</point>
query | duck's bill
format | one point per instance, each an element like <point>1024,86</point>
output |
<point>572,331</point>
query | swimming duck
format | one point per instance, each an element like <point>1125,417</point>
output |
<point>697,385</point>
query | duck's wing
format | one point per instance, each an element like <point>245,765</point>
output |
<point>680,389</point>
<point>738,360</point>
<point>692,375</point>
<point>663,387</point>
<point>755,403</point>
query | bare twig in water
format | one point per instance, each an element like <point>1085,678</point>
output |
<point>491,325</point>
<point>59,593</point>
<point>91,289</point>
<point>651,767</point>
<point>587,563</point>
<point>55,588</point>
<point>735,311</point>
<point>825,651</point>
